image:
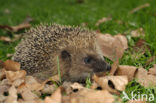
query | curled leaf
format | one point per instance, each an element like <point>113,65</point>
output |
<point>112,47</point>
<point>56,97</point>
<point>5,39</point>
<point>122,70</point>
<point>12,76</point>
<point>10,65</point>
<point>112,83</point>
<point>103,20</point>
<point>89,96</point>
<point>12,98</point>
<point>144,78</point>
<point>139,8</point>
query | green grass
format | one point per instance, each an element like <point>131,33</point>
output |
<point>69,12</point>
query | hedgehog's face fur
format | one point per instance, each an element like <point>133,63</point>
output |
<point>80,63</point>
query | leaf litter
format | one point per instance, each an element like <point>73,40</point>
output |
<point>24,25</point>
<point>22,88</point>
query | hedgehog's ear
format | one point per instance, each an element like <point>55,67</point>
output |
<point>65,55</point>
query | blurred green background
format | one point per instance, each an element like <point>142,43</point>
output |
<point>70,12</point>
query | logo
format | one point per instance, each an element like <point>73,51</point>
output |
<point>138,97</point>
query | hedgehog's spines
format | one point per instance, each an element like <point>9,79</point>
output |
<point>40,46</point>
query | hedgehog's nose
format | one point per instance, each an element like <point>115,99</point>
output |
<point>108,67</point>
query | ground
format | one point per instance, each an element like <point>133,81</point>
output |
<point>69,12</point>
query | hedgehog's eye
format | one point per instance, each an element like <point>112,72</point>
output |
<point>87,60</point>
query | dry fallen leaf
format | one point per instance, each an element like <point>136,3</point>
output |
<point>144,79</point>
<point>33,84</point>
<point>27,95</point>
<point>56,97</point>
<point>2,74</point>
<point>5,39</point>
<point>48,89</point>
<point>12,76</point>
<point>139,8</point>
<point>20,27</point>
<point>18,82</point>
<point>4,86</point>
<point>103,20</point>
<point>114,67</point>
<point>24,25</point>
<point>138,32</point>
<point>10,65</point>
<point>12,98</point>
<point>112,83</point>
<point>112,47</point>
<point>138,101</point>
<point>122,70</point>
<point>76,86</point>
<point>89,96</point>
<point>70,87</point>
<point>122,39</point>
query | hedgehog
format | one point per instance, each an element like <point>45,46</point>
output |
<point>74,49</point>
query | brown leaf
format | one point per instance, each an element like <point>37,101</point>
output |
<point>12,98</point>
<point>11,65</point>
<point>144,79</point>
<point>138,32</point>
<point>2,74</point>
<point>48,89</point>
<point>94,85</point>
<point>18,82</point>
<point>5,39</point>
<point>122,39</point>
<point>122,70</point>
<point>89,96</point>
<point>4,86</point>
<point>24,25</point>
<point>33,84</point>
<point>12,76</point>
<point>20,27</point>
<point>114,67</point>
<point>139,8</point>
<point>2,98</point>
<point>71,87</point>
<point>112,47</point>
<point>103,20</point>
<point>27,95</point>
<point>138,101</point>
<point>112,83</point>
<point>56,97</point>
